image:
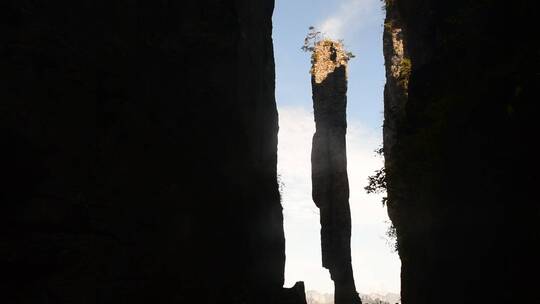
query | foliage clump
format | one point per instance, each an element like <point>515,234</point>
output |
<point>404,73</point>
<point>312,38</point>
<point>326,54</point>
<point>388,4</point>
<point>377,182</point>
<point>391,233</point>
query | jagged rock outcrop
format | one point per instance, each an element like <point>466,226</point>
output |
<point>461,159</point>
<point>329,166</point>
<point>139,147</point>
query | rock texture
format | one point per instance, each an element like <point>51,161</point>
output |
<point>139,153</point>
<point>461,157</point>
<point>329,166</point>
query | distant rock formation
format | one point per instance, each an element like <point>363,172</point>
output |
<point>329,166</point>
<point>314,297</point>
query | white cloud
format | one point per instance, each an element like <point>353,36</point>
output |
<point>376,267</point>
<point>348,17</point>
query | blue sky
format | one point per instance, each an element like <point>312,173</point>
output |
<point>360,24</point>
<point>362,30</point>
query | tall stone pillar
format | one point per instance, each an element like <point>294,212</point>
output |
<point>329,165</point>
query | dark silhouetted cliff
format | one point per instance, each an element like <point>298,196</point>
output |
<point>139,153</point>
<point>461,116</point>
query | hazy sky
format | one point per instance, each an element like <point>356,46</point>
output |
<point>359,23</point>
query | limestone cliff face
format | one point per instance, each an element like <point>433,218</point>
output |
<point>139,153</point>
<point>461,160</point>
<point>329,166</point>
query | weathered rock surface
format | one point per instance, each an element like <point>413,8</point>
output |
<point>461,157</point>
<point>139,153</point>
<point>329,169</point>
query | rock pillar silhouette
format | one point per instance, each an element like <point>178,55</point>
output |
<point>329,165</point>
